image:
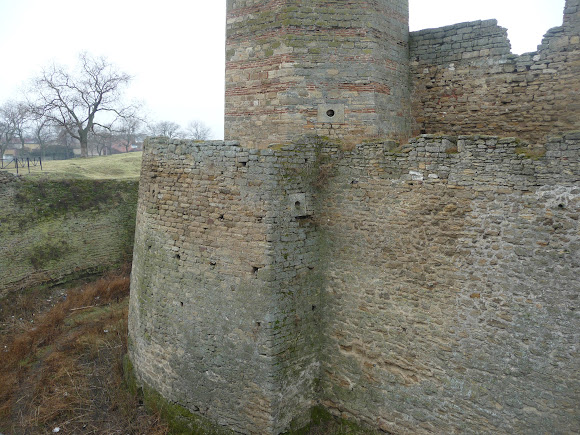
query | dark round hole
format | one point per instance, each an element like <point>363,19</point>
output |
<point>330,113</point>
<point>297,204</point>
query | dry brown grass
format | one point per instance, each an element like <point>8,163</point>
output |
<point>65,369</point>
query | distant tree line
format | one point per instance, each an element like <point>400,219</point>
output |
<point>83,108</point>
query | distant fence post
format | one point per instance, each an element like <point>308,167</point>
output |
<point>21,163</point>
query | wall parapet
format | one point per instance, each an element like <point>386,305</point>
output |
<point>458,42</point>
<point>466,81</point>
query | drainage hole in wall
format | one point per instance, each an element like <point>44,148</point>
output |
<point>330,113</point>
<point>313,307</point>
<point>297,204</point>
<point>255,270</point>
<point>560,205</point>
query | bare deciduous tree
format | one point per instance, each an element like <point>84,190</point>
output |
<point>19,115</point>
<point>6,135</point>
<point>6,131</point>
<point>66,141</point>
<point>101,141</point>
<point>165,128</point>
<point>198,130</point>
<point>128,132</point>
<point>14,117</point>
<point>79,102</point>
<point>44,133</point>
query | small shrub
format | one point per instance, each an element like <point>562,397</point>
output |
<point>324,172</point>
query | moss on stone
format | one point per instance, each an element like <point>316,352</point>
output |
<point>129,375</point>
<point>322,421</point>
<point>531,153</point>
<point>179,419</point>
<point>65,229</point>
<point>45,252</point>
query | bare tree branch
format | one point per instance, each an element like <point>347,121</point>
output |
<point>197,130</point>
<point>165,128</point>
<point>14,119</point>
<point>83,101</point>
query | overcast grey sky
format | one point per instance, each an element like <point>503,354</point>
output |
<point>175,48</point>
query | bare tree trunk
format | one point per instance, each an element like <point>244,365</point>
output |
<point>84,140</point>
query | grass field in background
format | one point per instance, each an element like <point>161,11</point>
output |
<point>118,166</point>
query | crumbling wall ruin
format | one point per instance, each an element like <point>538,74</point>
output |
<point>466,81</point>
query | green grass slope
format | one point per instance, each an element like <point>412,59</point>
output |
<point>118,167</point>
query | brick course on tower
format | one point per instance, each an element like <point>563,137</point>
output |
<point>331,68</point>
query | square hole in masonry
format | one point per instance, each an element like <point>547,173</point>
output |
<point>298,205</point>
<point>331,113</point>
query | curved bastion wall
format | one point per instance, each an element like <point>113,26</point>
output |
<point>416,286</point>
<point>425,289</point>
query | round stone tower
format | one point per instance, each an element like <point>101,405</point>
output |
<point>334,68</point>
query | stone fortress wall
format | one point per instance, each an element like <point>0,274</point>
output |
<point>427,289</point>
<point>466,81</point>
<point>424,287</point>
